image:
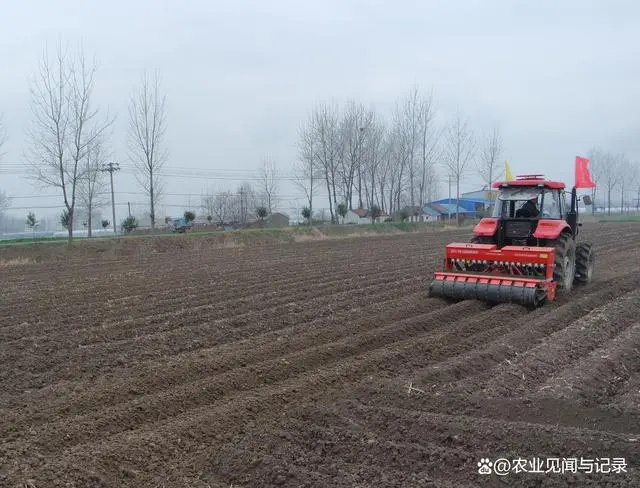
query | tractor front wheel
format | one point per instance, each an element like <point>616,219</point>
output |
<point>565,262</point>
<point>584,263</point>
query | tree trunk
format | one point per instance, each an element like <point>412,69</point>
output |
<point>152,211</point>
<point>334,207</point>
<point>457,201</point>
<point>490,178</point>
<point>609,201</point>
<point>70,225</point>
<point>359,188</point>
<point>90,207</point>
<point>330,200</point>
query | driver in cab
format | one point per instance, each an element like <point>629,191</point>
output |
<point>529,210</point>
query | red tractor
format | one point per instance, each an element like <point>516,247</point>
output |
<point>525,252</point>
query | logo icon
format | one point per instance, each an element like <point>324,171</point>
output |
<point>484,466</point>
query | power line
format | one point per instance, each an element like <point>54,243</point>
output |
<point>17,165</point>
<point>205,194</point>
<point>119,204</point>
<point>177,172</point>
<point>236,174</point>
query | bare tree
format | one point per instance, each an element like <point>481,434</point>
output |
<point>625,171</point>
<point>416,148</point>
<point>429,149</point>
<point>147,126</point>
<point>245,204</point>
<point>305,169</point>
<point>220,206</point>
<point>398,164</point>
<point>354,125</point>
<point>383,173</point>
<point>64,125</point>
<point>597,160</point>
<point>631,180</point>
<point>408,132</point>
<point>490,157</point>
<point>207,204</point>
<point>93,182</point>
<point>3,136</point>
<point>374,160</point>
<point>269,184</point>
<point>328,149</point>
<point>459,151</point>
<point>636,182</point>
<point>5,201</point>
<point>610,175</point>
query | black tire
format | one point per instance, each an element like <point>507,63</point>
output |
<point>565,262</point>
<point>584,263</point>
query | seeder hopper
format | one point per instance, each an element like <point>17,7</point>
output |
<point>525,253</point>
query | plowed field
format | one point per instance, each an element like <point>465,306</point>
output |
<point>317,364</point>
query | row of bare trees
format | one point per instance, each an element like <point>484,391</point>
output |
<point>362,160</point>
<point>615,175</point>
<point>68,140</point>
<point>249,201</point>
<point>228,206</point>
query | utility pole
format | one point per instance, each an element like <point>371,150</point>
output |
<point>242,216</point>
<point>110,168</point>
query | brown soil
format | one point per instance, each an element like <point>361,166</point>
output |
<point>319,363</point>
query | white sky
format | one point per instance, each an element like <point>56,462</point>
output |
<point>240,77</point>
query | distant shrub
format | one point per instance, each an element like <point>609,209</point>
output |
<point>129,224</point>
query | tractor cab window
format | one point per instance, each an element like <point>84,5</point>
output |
<point>518,202</point>
<point>550,205</point>
<point>564,207</point>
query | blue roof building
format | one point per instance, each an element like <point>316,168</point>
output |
<point>440,210</point>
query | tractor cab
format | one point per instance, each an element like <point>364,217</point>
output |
<point>522,202</point>
<point>527,211</point>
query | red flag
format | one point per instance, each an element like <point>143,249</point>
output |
<point>583,176</point>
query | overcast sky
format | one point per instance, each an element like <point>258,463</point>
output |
<point>240,76</point>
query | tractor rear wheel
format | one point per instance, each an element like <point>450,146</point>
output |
<point>565,262</point>
<point>584,263</point>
